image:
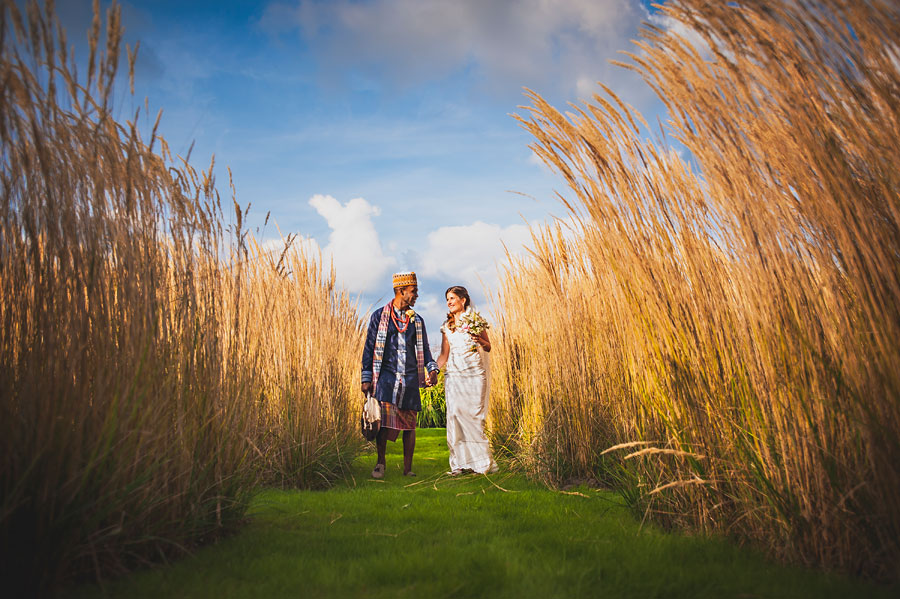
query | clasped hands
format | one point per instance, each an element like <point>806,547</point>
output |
<point>430,380</point>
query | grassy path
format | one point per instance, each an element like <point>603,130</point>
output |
<point>474,536</point>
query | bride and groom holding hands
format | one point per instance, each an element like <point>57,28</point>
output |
<point>397,361</point>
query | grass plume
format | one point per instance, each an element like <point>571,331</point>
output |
<point>155,364</point>
<point>745,309</point>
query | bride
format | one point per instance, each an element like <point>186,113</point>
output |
<point>465,388</point>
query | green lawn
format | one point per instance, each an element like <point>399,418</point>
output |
<point>473,536</point>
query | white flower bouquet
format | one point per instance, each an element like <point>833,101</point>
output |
<point>473,323</point>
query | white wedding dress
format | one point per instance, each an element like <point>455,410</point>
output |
<point>466,393</point>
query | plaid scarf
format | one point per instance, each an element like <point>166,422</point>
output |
<point>420,351</point>
<point>381,337</point>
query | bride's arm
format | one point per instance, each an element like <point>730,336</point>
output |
<point>445,351</point>
<point>483,341</point>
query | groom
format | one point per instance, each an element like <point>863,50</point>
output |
<point>394,361</point>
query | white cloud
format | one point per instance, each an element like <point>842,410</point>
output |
<point>688,34</point>
<point>586,87</point>
<point>548,45</point>
<point>536,160</point>
<point>433,310</point>
<point>353,247</point>
<point>468,255</point>
<point>307,246</point>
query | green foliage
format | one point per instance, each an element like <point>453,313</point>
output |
<point>434,405</point>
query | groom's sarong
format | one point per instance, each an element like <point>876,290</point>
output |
<point>395,420</point>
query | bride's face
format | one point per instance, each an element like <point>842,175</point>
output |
<point>455,303</point>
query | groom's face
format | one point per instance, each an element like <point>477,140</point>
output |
<point>409,294</point>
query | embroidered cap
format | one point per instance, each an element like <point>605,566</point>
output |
<point>402,279</point>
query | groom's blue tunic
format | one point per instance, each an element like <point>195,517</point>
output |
<point>398,380</point>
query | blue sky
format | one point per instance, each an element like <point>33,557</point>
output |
<point>378,131</point>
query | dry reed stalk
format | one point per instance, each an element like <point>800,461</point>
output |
<point>678,484</point>
<point>656,451</point>
<point>626,446</point>
<point>749,313</point>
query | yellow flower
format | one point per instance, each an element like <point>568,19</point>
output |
<point>410,312</point>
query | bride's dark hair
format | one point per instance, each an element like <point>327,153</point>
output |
<point>460,292</point>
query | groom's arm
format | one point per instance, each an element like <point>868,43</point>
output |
<point>430,365</point>
<point>369,352</point>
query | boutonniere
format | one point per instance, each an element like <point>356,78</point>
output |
<point>410,313</point>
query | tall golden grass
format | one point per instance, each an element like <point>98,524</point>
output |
<point>721,343</point>
<point>155,363</point>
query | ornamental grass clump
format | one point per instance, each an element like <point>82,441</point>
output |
<point>154,365</point>
<point>308,337</point>
<point>723,340</point>
<point>434,405</point>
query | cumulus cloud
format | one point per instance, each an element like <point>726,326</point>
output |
<point>688,34</point>
<point>433,310</point>
<point>307,246</point>
<point>353,247</point>
<point>549,45</point>
<point>468,255</point>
